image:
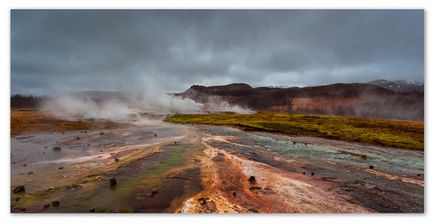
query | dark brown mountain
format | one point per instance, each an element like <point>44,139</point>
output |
<point>354,99</point>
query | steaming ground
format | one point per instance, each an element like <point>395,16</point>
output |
<point>147,165</point>
<point>124,106</point>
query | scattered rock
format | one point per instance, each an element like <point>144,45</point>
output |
<point>202,201</point>
<point>57,148</point>
<point>17,199</point>
<point>234,194</point>
<point>43,153</point>
<point>100,150</point>
<point>92,210</point>
<point>13,162</point>
<point>365,157</point>
<point>312,174</point>
<point>294,143</point>
<point>49,189</point>
<point>60,168</point>
<point>113,182</point>
<point>153,193</point>
<point>24,165</point>
<point>304,173</point>
<point>253,210</point>
<point>419,174</point>
<point>155,135</point>
<point>371,167</point>
<point>46,206</point>
<point>55,204</point>
<point>30,173</point>
<point>78,138</point>
<point>252,189</point>
<point>252,180</point>
<point>101,133</point>
<point>20,189</point>
<point>116,159</point>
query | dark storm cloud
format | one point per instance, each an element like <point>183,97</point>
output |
<point>112,50</point>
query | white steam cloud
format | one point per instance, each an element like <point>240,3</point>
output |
<point>141,98</point>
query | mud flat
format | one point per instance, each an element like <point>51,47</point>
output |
<point>209,169</point>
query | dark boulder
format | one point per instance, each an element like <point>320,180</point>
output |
<point>55,204</point>
<point>113,182</point>
<point>252,180</point>
<point>20,189</point>
<point>57,148</point>
<point>371,167</point>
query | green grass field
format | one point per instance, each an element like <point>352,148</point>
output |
<point>393,133</point>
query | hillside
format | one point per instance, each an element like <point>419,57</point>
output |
<point>354,99</point>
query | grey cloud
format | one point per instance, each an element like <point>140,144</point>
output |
<point>72,50</point>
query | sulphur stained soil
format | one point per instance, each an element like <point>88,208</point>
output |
<point>162,167</point>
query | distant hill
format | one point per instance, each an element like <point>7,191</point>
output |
<point>400,85</point>
<point>354,99</point>
<point>394,100</point>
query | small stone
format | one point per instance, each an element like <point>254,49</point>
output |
<point>60,168</point>
<point>113,182</point>
<point>30,173</point>
<point>25,165</point>
<point>92,210</point>
<point>101,133</point>
<point>312,174</point>
<point>371,167</point>
<point>304,173</point>
<point>78,138</point>
<point>234,194</point>
<point>153,192</point>
<point>202,201</point>
<point>57,148</point>
<point>17,199</point>
<point>155,135</point>
<point>20,189</point>
<point>46,206</point>
<point>252,180</point>
<point>55,204</point>
<point>116,159</point>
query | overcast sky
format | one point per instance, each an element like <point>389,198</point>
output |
<point>76,50</point>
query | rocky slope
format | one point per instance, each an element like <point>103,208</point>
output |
<point>353,99</point>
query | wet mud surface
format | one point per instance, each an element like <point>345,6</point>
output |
<point>209,169</point>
